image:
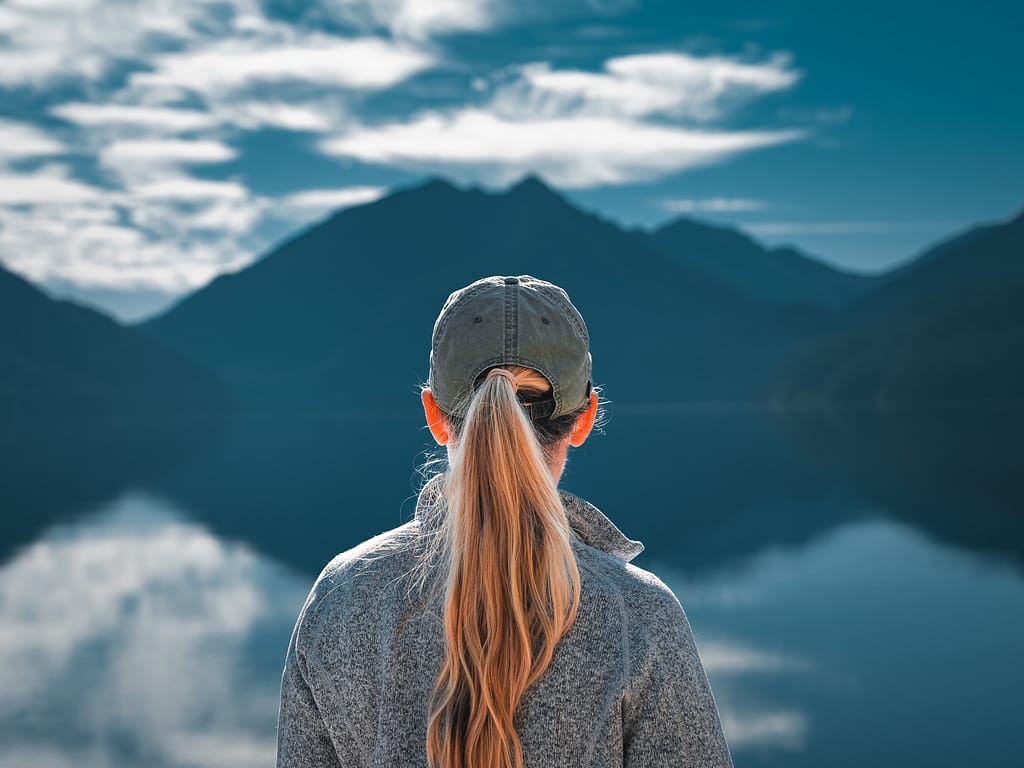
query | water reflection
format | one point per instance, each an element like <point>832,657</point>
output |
<point>857,597</point>
<point>872,645</point>
<point>134,638</point>
<point>708,488</point>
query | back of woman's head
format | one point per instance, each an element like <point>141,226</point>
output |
<point>512,588</point>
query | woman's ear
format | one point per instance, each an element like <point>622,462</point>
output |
<point>585,423</point>
<point>435,417</point>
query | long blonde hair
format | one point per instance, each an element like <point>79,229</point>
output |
<point>512,587</point>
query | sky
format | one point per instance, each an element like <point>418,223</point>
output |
<point>148,146</point>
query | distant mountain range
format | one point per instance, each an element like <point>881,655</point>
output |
<point>945,331</point>
<point>338,318</point>
<point>777,275</point>
<point>343,312</point>
<point>61,361</point>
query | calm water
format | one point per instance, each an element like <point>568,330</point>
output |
<point>849,607</point>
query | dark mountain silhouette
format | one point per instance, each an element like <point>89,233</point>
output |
<point>57,356</point>
<point>945,331</point>
<point>982,257</point>
<point>97,400</point>
<point>776,275</point>
<point>339,318</point>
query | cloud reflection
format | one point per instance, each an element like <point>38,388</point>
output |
<point>138,635</point>
<point>138,638</point>
<point>749,722</point>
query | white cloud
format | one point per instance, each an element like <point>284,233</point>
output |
<point>316,116</point>
<point>712,204</point>
<point>157,152</point>
<point>168,232</point>
<point>571,151</point>
<point>244,69</point>
<point>417,19</point>
<point>633,121</point>
<point>68,39</point>
<point>50,185</point>
<point>192,189</point>
<point>224,218</point>
<point>310,58</point>
<point>115,256</point>
<point>22,140</point>
<point>668,83</point>
<point>322,200</point>
<point>158,118</point>
<point>423,19</point>
<point>8,20</point>
<point>194,74</point>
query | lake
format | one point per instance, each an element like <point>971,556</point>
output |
<point>857,599</point>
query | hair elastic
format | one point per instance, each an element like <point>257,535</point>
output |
<point>507,374</point>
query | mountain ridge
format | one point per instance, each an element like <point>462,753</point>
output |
<point>781,274</point>
<point>946,331</point>
<point>531,190</point>
<point>379,270</point>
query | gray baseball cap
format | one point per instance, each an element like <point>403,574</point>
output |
<point>519,320</point>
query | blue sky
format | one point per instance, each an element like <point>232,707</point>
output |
<point>147,146</point>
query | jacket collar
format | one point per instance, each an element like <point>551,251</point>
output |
<point>589,523</point>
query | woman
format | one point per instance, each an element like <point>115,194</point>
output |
<point>503,626</point>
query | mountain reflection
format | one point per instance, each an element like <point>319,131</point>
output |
<point>708,488</point>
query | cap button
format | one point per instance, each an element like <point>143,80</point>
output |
<point>511,281</point>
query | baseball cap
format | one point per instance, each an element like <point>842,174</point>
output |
<point>513,320</point>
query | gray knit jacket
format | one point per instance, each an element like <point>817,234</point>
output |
<point>626,686</point>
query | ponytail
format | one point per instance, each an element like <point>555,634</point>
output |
<point>512,587</point>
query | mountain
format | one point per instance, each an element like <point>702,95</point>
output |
<point>70,374</point>
<point>339,318</point>
<point>777,275</point>
<point>980,258</point>
<point>86,407</point>
<point>944,332</point>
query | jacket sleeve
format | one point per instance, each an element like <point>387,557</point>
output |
<point>303,740</point>
<point>670,717</point>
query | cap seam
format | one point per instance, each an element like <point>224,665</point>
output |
<point>446,310</point>
<point>510,320</point>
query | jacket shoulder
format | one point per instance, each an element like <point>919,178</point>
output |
<point>358,560</point>
<point>640,589</point>
<point>655,612</point>
<point>356,573</point>
<point>651,610</point>
<point>646,591</point>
